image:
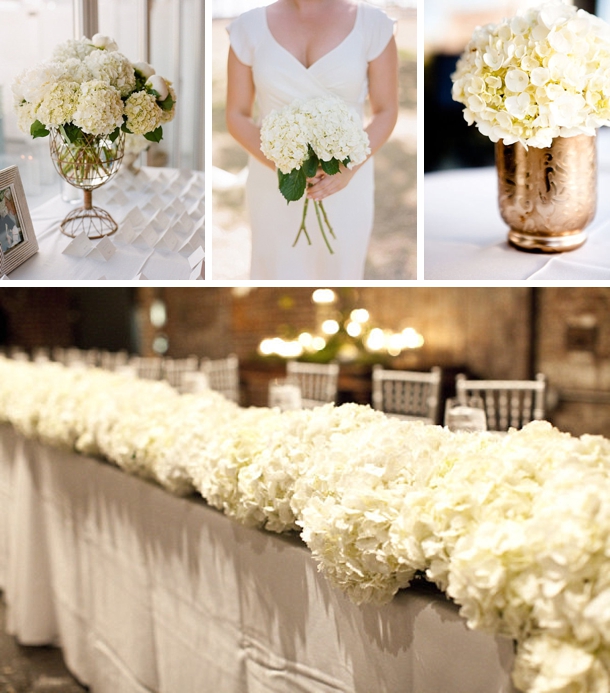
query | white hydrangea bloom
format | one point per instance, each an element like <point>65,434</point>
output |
<point>285,137</point>
<point>112,67</point>
<point>539,75</point>
<point>58,104</point>
<point>26,115</point>
<point>167,116</point>
<point>143,114</point>
<point>99,110</point>
<point>32,84</point>
<point>327,124</point>
<point>337,131</point>
<point>73,48</point>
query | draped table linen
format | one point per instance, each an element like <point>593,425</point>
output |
<point>146,591</point>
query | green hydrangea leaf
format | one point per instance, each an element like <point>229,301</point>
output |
<point>167,104</point>
<point>37,129</point>
<point>330,167</point>
<point>292,185</point>
<point>73,133</point>
<point>311,165</point>
<point>154,136</point>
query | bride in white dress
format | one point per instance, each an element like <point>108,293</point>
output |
<point>298,49</point>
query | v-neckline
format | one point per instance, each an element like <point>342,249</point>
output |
<point>322,57</point>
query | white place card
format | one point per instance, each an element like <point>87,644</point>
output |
<point>135,217</point>
<point>104,250</point>
<point>188,247</point>
<point>79,246</point>
<point>174,188</point>
<point>183,224</point>
<point>118,197</point>
<point>4,276</point>
<point>148,236</point>
<point>196,257</point>
<point>126,233</point>
<point>168,240</point>
<point>155,203</point>
<point>142,277</point>
<point>197,271</point>
<point>161,220</point>
<point>174,208</point>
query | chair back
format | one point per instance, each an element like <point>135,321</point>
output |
<point>223,375</point>
<point>318,382</point>
<point>174,370</point>
<point>410,395</point>
<point>507,403</point>
<point>113,360</point>
<point>147,367</point>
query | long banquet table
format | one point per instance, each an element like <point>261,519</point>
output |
<point>161,234</point>
<point>145,591</point>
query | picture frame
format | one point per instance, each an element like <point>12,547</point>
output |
<point>17,238</point>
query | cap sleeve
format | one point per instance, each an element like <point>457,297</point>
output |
<point>379,31</point>
<point>241,37</point>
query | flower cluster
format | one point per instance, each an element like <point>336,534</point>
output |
<point>325,125</point>
<point>307,135</point>
<point>515,528</point>
<point>542,74</point>
<point>89,88</point>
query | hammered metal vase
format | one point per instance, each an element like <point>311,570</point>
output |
<point>86,165</point>
<point>547,196</point>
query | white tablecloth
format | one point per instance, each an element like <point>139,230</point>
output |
<point>465,237</point>
<point>161,234</point>
<point>149,592</point>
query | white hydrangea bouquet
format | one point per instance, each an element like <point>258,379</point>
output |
<point>307,135</point>
<point>542,74</point>
<point>89,88</point>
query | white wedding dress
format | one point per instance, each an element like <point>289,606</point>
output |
<point>279,79</point>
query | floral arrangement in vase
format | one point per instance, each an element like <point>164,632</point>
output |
<point>89,88</point>
<point>541,81</point>
<point>541,74</point>
<point>87,98</point>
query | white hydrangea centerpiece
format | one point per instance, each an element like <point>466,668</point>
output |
<point>89,88</point>
<point>542,74</point>
<point>307,135</point>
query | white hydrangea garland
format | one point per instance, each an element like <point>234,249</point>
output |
<point>515,529</point>
<point>541,74</point>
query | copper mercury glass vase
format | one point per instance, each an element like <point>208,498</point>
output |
<point>87,164</point>
<point>547,196</point>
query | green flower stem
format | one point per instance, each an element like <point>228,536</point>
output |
<point>317,206</point>
<point>302,226</point>
<point>330,228</point>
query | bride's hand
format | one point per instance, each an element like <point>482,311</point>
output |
<point>323,185</point>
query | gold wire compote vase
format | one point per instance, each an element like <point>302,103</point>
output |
<point>87,164</point>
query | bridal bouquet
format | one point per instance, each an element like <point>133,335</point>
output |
<point>542,74</point>
<point>90,89</point>
<point>305,136</point>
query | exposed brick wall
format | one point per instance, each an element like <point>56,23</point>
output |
<point>31,317</point>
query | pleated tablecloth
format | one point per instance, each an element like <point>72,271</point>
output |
<point>149,592</point>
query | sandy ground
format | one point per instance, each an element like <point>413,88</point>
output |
<point>392,252</point>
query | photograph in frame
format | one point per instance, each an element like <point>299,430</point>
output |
<point>17,238</point>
